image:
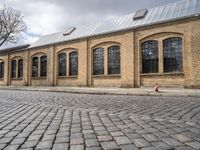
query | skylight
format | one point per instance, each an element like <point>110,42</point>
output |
<point>140,14</point>
<point>69,31</point>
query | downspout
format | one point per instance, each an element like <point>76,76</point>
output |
<point>87,67</point>
<point>54,61</point>
<point>28,68</point>
<point>8,71</point>
<point>134,43</point>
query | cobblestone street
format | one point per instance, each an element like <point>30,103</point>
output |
<point>61,121</point>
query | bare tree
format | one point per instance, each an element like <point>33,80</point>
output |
<point>11,25</point>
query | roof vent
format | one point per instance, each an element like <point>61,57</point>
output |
<point>140,14</point>
<point>69,31</point>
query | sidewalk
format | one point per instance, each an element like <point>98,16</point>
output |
<point>144,91</point>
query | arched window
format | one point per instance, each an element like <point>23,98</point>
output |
<point>20,68</point>
<point>98,61</point>
<point>1,69</point>
<point>43,66</point>
<point>35,67</point>
<point>13,68</point>
<point>114,60</point>
<point>17,68</point>
<point>172,51</point>
<point>150,57</point>
<point>73,63</point>
<point>62,64</point>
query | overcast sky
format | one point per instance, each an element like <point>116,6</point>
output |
<point>48,16</point>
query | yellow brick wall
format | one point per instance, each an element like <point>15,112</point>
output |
<point>81,80</point>
<point>35,81</point>
<point>130,59</point>
<point>16,81</point>
<point>195,54</point>
<point>160,32</point>
<point>5,59</point>
<point>163,80</point>
<point>125,41</point>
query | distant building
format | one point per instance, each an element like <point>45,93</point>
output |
<point>158,45</point>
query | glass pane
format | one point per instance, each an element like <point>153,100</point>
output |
<point>114,60</point>
<point>150,57</point>
<point>73,63</point>
<point>98,61</point>
<point>172,48</point>
<point>43,66</point>
<point>20,68</point>
<point>13,74</point>
<point>35,67</point>
<point>62,64</point>
<point>2,70</point>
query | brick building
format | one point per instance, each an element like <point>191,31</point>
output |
<point>160,44</point>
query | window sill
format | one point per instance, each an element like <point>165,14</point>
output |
<point>163,74</point>
<point>1,79</point>
<point>16,78</point>
<point>38,78</point>
<point>107,76</point>
<point>67,77</point>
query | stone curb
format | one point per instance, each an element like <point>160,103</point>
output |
<point>109,92</point>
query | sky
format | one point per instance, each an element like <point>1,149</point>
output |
<point>48,16</point>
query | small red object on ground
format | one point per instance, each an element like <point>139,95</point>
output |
<point>156,87</point>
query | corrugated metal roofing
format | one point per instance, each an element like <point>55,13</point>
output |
<point>173,11</point>
<point>16,48</point>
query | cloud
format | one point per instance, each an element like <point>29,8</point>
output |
<point>48,16</point>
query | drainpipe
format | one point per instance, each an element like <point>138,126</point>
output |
<point>134,45</point>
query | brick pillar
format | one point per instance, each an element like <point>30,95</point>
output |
<point>50,66</point>
<point>89,64</point>
<point>106,61</point>
<point>160,57</point>
<point>127,60</point>
<point>195,54</point>
<point>7,71</point>
<point>83,63</point>
<point>26,68</point>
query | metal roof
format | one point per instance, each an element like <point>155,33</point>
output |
<point>169,12</point>
<point>16,48</point>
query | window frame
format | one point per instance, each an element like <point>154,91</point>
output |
<point>18,68</point>
<point>109,63</point>
<point>43,74</point>
<point>101,60</point>
<point>151,67</point>
<point>38,66</point>
<point>13,72</point>
<point>2,70</point>
<point>67,51</point>
<point>73,72</point>
<point>59,64</point>
<point>176,62</point>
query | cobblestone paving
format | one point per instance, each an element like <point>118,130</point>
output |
<point>61,121</point>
